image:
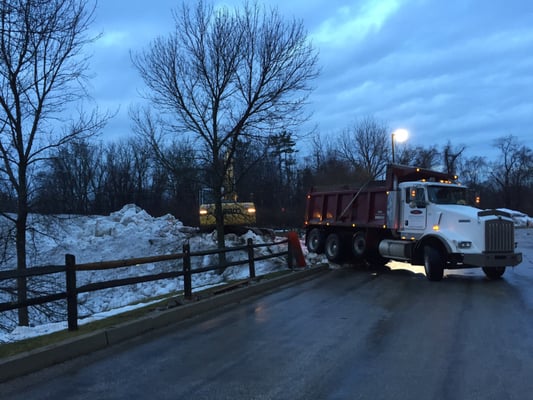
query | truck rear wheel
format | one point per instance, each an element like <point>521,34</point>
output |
<point>333,248</point>
<point>359,245</point>
<point>315,241</point>
<point>494,272</point>
<point>433,263</point>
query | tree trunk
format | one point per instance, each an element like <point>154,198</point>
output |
<point>22,217</point>
<point>221,244</point>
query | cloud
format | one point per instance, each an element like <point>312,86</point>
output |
<point>446,70</point>
<point>450,70</point>
<point>353,23</point>
<point>114,39</point>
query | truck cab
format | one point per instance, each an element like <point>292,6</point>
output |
<point>439,228</point>
<point>419,199</point>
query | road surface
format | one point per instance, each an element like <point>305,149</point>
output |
<point>346,334</point>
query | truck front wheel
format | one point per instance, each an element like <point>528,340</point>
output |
<point>433,263</point>
<point>333,248</point>
<point>494,272</point>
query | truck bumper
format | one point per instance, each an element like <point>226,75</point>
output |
<point>493,259</point>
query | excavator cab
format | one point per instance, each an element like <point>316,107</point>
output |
<point>236,213</point>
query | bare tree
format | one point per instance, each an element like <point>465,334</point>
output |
<point>451,157</point>
<point>321,150</point>
<point>41,74</point>
<point>225,74</point>
<point>418,156</point>
<point>173,155</point>
<point>473,171</point>
<point>67,183</point>
<point>326,166</point>
<point>513,172</point>
<point>365,146</point>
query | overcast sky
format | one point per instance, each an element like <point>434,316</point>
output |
<point>458,70</point>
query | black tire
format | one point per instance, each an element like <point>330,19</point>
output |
<point>494,272</point>
<point>433,263</point>
<point>315,241</point>
<point>333,248</point>
<point>359,245</point>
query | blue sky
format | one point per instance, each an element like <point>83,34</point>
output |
<point>457,70</point>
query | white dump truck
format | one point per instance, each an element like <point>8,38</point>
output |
<point>415,215</point>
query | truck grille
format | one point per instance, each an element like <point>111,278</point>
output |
<point>499,236</point>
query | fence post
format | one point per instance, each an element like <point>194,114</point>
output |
<point>290,255</point>
<point>251,259</point>
<point>187,279</point>
<point>72,294</point>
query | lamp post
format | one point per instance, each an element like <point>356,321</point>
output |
<point>400,136</point>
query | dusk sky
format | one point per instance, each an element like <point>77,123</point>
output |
<point>458,70</point>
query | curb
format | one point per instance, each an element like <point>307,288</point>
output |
<point>35,360</point>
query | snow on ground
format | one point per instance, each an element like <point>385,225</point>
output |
<point>132,233</point>
<point>128,233</point>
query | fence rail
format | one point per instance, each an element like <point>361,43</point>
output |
<point>70,268</point>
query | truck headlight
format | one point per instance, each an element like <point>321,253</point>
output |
<point>464,245</point>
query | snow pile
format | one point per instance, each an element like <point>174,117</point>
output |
<point>520,219</point>
<point>128,233</point>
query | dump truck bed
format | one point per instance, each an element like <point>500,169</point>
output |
<point>362,207</point>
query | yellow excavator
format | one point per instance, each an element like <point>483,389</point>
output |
<point>236,213</point>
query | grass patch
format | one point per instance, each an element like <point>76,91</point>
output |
<point>166,301</point>
<point>10,349</point>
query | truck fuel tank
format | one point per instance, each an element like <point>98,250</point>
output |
<point>395,249</point>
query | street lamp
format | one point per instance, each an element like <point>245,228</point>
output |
<point>400,136</point>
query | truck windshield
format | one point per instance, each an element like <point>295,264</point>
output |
<point>448,195</point>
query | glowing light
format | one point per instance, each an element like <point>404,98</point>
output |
<point>399,135</point>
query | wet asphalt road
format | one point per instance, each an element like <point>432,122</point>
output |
<point>346,334</point>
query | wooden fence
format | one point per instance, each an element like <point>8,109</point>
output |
<point>70,269</point>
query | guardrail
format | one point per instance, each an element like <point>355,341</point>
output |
<point>70,268</point>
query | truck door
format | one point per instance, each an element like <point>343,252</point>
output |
<point>414,209</point>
